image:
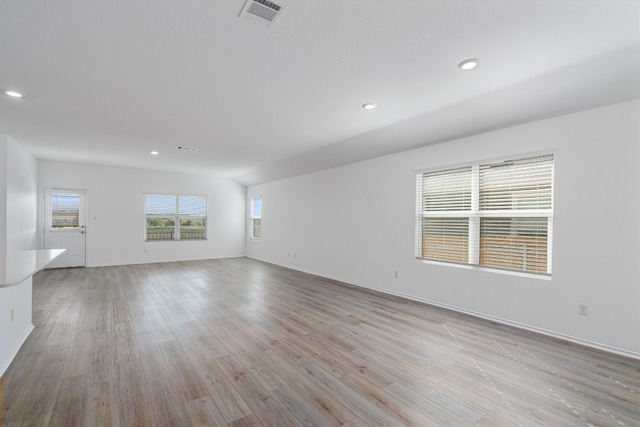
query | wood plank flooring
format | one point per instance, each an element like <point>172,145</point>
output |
<point>237,342</point>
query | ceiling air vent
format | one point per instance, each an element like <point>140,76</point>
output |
<point>181,148</point>
<point>261,12</point>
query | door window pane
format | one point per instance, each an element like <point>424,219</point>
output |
<point>65,211</point>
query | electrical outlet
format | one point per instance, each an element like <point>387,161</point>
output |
<point>13,314</point>
<point>395,274</point>
<point>583,309</point>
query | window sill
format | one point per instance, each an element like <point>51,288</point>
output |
<point>487,269</point>
<point>175,240</point>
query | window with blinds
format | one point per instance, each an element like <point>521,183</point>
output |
<point>446,203</point>
<point>65,211</point>
<point>494,214</point>
<point>175,217</point>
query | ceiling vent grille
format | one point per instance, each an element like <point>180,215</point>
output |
<point>181,148</point>
<point>261,12</point>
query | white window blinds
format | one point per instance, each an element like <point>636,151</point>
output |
<point>160,205</point>
<point>175,217</point>
<point>523,184</point>
<point>448,190</point>
<point>65,211</point>
<point>495,214</point>
<point>519,194</point>
<point>191,206</point>
<point>445,207</point>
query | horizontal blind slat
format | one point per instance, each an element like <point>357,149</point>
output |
<point>160,205</point>
<point>445,239</point>
<point>192,206</point>
<point>447,190</point>
<point>65,210</point>
<point>517,184</point>
<point>514,243</point>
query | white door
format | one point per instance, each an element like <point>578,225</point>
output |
<point>64,226</point>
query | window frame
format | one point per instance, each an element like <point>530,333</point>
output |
<point>475,216</point>
<point>177,217</point>
<point>255,219</point>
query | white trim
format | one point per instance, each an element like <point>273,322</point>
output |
<point>418,229</point>
<point>514,156</point>
<point>541,276</point>
<point>546,332</point>
<point>521,213</point>
<point>553,334</point>
<point>16,348</point>
<point>474,220</point>
<point>550,220</point>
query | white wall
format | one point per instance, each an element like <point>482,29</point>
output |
<point>3,192</point>
<point>356,223</point>
<point>115,212</point>
<point>22,198</point>
<point>14,331</point>
<point>18,196</point>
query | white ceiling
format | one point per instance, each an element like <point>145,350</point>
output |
<point>106,82</point>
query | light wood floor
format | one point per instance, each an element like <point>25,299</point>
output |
<point>238,342</point>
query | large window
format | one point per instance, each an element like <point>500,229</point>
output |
<point>256,217</point>
<point>174,217</point>
<point>495,214</point>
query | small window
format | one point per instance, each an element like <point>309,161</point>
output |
<point>175,217</point>
<point>494,214</point>
<point>65,211</point>
<point>256,217</point>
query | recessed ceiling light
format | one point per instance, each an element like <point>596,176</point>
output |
<point>13,94</point>
<point>469,64</point>
<point>155,153</point>
<point>369,106</point>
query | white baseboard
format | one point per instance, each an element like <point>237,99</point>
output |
<point>575,340</point>
<point>15,349</point>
